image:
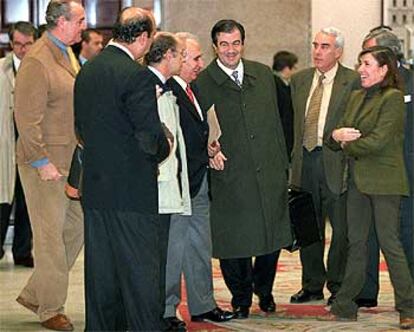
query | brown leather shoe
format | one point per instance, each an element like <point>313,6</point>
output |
<point>32,307</point>
<point>406,323</point>
<point>60,322</point>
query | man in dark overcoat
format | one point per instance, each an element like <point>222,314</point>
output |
<point>249,214</point>
<point>117,121</point>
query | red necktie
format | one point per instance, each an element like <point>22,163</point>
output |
<point>190,93</point>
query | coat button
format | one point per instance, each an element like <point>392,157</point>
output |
<point>258,169</point>
<point>252,136</point>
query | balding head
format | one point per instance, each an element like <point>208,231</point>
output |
<point>132,22</point>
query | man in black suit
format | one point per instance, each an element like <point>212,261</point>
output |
<point>383,36</point>
<point>117,120</point>
<point>189,248</point>
<point>284,65</point>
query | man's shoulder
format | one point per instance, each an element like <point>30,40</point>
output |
<point>347,72</point>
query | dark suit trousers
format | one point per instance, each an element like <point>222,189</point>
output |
<point>382,211</point>
<point>242,278</point>
<point>327,204</point>
<point>22,241</point>
<point>122,271</point>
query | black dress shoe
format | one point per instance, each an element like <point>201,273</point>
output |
<point>175,324</point>
<point>331,299</point>
<point>25,261</point>
<point>366,303</point>
<point>241,312</point>
<point>267,303</point>
<point>215,315</point>
<point>305,296</point>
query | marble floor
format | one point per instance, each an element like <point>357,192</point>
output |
<point>13,317</point>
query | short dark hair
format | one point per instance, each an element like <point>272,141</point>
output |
<point>284,59</point>
<point>55,9</point>
<point>86,34</point>
<point>226,26</point>
<point>127,30</point>
<point>384,56</point>
<point>163,42</point>
<point>23,27</point>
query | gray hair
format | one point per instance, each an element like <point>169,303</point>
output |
<point>186,35</point>
<point>56,9</point>
<point>384,37</point>
<point>339,37</point>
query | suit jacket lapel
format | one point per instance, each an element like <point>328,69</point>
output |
<point>303,90</point>
<point>58,55</point>
<point>221,78</point>
<point>186,102</point>
<point>338,91</point>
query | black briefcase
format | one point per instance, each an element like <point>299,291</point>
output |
<point>304,225</point>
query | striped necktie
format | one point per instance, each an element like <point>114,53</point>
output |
<point>235,75</point>
<point>310,134</point>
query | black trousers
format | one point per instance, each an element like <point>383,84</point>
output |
<point>122,271</point>
<point>243,278</point>
<point>327,204</point>
<point>22,241</point>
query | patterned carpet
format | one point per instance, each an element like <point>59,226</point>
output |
<point>299,317</point>
<point>287,317</point>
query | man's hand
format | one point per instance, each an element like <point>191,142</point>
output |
<point>213,148</point>
<point>49,172</point>
<point>71,192</point>
<point>346,134</point>
<point>217,162</point>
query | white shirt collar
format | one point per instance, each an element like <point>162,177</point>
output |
<point>158,74</point>
<point>122,47</point>
<point>229,72</point>
<point>329,75</point>
<point>16,62</point>
<point>180,81</point>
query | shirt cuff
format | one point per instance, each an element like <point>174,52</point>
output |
<point>40,162</point>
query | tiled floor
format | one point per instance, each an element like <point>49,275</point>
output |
<point>15,318</point>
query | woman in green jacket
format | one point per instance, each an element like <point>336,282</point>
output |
<point>371,136</point>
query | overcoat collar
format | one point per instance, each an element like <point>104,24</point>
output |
<point>7,68</point>
<point>222,79</point>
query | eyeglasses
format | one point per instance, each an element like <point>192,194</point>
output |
<point>20,45</point>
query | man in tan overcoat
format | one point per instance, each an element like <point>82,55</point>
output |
<point>44,118</point>
<point>22,37</point>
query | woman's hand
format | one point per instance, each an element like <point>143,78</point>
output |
<point>346,134</point>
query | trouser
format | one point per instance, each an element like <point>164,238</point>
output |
<point>327,204</point>
<point>122,271</point>
<point>22,241</point>
<point>362,212</point>
<point>244,278</point>
<point>189,253</point>
<point>57,225</point>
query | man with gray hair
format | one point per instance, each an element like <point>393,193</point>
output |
<point>189,247</point>
<point>319,97</point>
<point>383,36</point>
<point>44,119</point>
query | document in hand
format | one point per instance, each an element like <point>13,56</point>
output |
<point>213,123</point>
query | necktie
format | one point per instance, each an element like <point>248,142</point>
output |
<point>310,134</point>
<point>235,75</point>
<point>190,93</point>
<point>72,59</point>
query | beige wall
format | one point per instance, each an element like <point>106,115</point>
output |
<point>271,25</point>
<point>354,17</point>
